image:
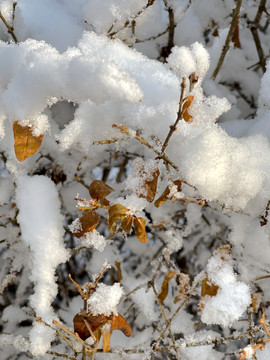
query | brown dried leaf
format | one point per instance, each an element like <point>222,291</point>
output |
<point>117,212</point>
<point>127,223</point>
<point>208,288</point>
<point>187,102</point>
<point>94,321</point>
<point>166,193</point>
<point>25,143</point>
<point>119,323</point>
<point>165,285</point>
<point>139,227</point>
<point>150,187</point>
<point>89,221</point>
<point>99,189</point>
<point>106,346</point>
<point>183,288</point>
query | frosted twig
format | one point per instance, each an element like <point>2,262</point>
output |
<point>226,46</point>
<point>256,38</point>
<point>150,2</point>
<point>9,28</point>
<point>139,138</point>
<point>54,353</point>
<point>179,117</point>
<point>81,292</point>
<point>166,320</point>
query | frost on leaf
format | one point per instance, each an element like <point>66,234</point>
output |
<point>88,222</point>
<point>25,143</point>
<point>167,192</point>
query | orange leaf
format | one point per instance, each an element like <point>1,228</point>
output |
<point>106,346</point>
<point>187,102</point>
<point>139,227</point>
<point>166,193</point>
<point>149,187</point>
<point>127,223</point>
<point>99,189</point>
<point>89,221</point>
<point>208,288</point>
<point>119,323</point>
<point>165,285</point>
<point>117,212</point>
<point>25,143</point>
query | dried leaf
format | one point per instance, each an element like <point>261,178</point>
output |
<point>127,223</point>
<point>183,288</point>
<point>94,321</point>
<point>119,271</point>
<point>117,212</point>
<point>99,189</point>
<point>187,102</point>
<point>139,227</point>
<point>208,288</point>
<point>165,285</point>
<point>119,323</point>
<point>89,221</point>
<point>106,346</point>
<point>166,193</point>
<point>25,143</point>
<point>150,187</point>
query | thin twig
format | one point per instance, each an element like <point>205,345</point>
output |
<point>254,30</point>
<point>226,47</point>
<point>9,28</point>
<point>81,292</point>
<point>179,117</point>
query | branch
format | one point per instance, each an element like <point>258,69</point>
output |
<point>255,34</point>
<point>10,29</point>
<point>226,47</point>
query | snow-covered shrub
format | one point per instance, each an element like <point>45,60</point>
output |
<point>135,134</point>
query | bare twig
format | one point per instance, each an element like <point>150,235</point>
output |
<point>179,117</point>
<point>9,28</point>
<point>226,47</point>
<point>254,30</point>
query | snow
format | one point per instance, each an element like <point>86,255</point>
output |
<point>105,299</point>
<point>42,230</point>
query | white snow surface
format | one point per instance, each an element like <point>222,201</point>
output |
<point>42,230</point>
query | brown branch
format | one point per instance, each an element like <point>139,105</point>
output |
<point>226,46</point>
<point>255,34</point>
<point>9,28</point>
<point>150,2</point>
<point>179,117</point>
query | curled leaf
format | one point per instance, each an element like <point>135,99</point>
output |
<point>99,189</point>
<point>187,102</point>
<point>166,193</point>
<point>119,323</point>
<point>117,212</point>
<point>88,221</point>
<point>139,227</point>
<point>25,143</point>
<point>165,285</point>
<point>93,321</point>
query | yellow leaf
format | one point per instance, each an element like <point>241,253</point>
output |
<point>99,189</point>
<point>117,212</point>
<point>166,193</point>
<point>165,285</point>
<point>187,102</point>
<point>127,223</point>
<point>139,227</point>
<point>25,143</point>
<point>89,221</point>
